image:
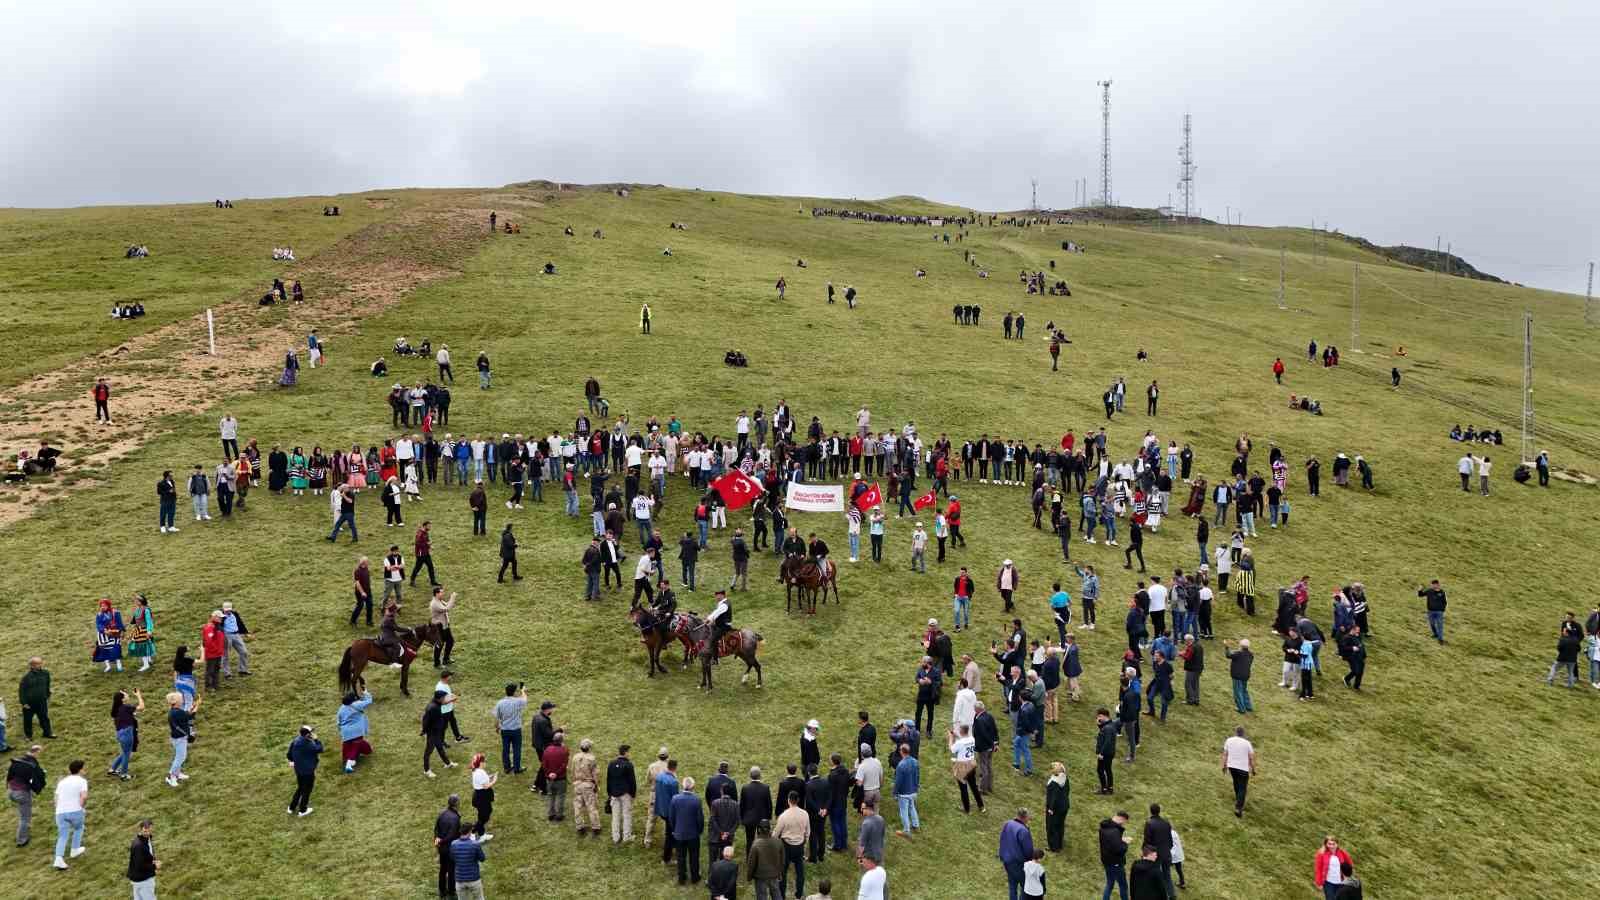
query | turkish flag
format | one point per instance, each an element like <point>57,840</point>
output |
<point>925,501</point>
<point>869,498</point>
<point>738,490</point>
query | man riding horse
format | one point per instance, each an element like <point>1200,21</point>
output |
<point>389,635</point>
<point>721,623</point>
<point>662,609</point>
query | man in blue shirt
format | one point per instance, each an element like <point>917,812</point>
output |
<point>907,782</point>
<point>1016,848</point>
<point>234,633</point>
<point>467,853</point>
<point>1061,607</point>
<point>686,819</point>
<point>665,788</point>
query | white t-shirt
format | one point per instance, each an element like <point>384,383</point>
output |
<point>965,709</point>
<point>961,748</point>
<point>1483,467</point>
<point>69,791</point>
<point>1205,594</point>
<point>641,506</point>
<point>644,567</point>
<point>480,778</point>
<point>1032,878</point>
<point>635,455</point>
<point>658,466</point>
<point>872,884</point>
<point>870,773</point>
<point>1237,750</point>
<point>1224,560</point>
<point>1158,597</point>
<point>1464,465</point>
<point>1335,875</point>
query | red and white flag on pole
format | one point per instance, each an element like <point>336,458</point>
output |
<point>738,490</point>
<point>925,501</point>
<point>869,498</point>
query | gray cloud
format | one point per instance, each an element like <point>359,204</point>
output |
<point>1395,123</point>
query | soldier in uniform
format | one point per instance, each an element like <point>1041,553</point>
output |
<point>585,778</point>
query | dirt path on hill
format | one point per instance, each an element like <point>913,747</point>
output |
<point>168,371</point>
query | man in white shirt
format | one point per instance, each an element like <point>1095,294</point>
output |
<point>230,437</point>
<point>443,359</point>
<point>72,792</point>
<point>642,570</point>
<point>658,472</point>
<point>669,448</point>
<point>404,452</point>
<point>1464,469</point>
<point>1239,761</point>
<point>1483,475</point>
<point>642,504</point>
<point>741,429</point>
<point>1158,604</point>
<point>874,880</point>
<point>478,445</point>
<point>634,455</point>
<point>965,708</point>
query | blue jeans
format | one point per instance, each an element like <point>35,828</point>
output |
<point>1436,624</point>
<point>660,481</point>
<point>1111,528</point>
<point>169,512</point>
<point>511,750</point>
<point>200,501</point>
<point>855,546</point>
<point>343,518</point>
<point>1116,875</point>
<point>963,613</point>
<point>572,503</point>
<point>1014,881</point>
<point>1205,559</point>
<point>1247,522</point>
<point>125,741</point>
<point>1021,753</point>
<point>1241,696</point>
<point>908,812</point>
<point>461,470</point>
<point>836,821</point>
<point>483,379</point>
<point>704,527</point>
<point>180,752</point>
<point>1272,512</point>
<point>68,824</point>
<point>688,573</point>
<point>477,469</point>
<point>644,530</point>
<point>591,589</point>
<point>536,490</point>
<point>1222,514</point>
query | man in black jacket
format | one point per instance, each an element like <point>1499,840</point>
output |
<point>722,823</point>
<point>716,783</point>
<point>1114,853</point>
<point>792,783</point>
<point>621,787</point>
<point>985,736</point>
<point>1145,879</point>
<point>1158,834</point>
<point>755,805</point>
<point>543,734</point>
<point>24,780</point>
<point>445,829</point>
<point>142,862</point>
<point>1105,749</point>
<point>723,877</point>
<point>840,781</point>
<point>819,798</point>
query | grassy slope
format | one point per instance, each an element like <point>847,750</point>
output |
<point>69,267</point>
<point>1431,776</point>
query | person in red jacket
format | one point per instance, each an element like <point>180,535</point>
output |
<point>963,599</point>
<point>952,517</point>
<point>1329,872</point>
<point>102,397</point>
<point>1277,369</point>
<point>553,766</point>
<point>1068,440</point>
<point>213,644</point>
<point>423,555</point>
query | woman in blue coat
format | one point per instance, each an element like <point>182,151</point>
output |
<point>108,636</point>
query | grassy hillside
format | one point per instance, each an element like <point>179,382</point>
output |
<point>1431,776</point>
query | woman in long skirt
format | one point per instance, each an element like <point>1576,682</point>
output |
<point>108,636</point>
<point>1197,498</point>
<point>374,466</point>
<point>291,369</point>
<point>253,453</point>
<point>356,467</point>
<point>241,481</point>
<point>298,480</point>
<point>389,467</point>
<point>141,632</point>
<point>318,471</point>
<point>277,470</point>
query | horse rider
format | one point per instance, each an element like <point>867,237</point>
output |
<point>721,619</point>
<point>663,607</point>
<point>819,553</point>
<point>388,634</point>
<point>794,547</point>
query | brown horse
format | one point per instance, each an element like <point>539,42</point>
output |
<point>366,650</point>
<point>803,572</point>
<point>654,643</point>
<point>744,644</point>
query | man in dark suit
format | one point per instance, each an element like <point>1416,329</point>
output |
<point>840,781</point>
<point>723,877</point>
<point>819,798</point>
<point>723,825</point>
<point>716,783</point>
<point>755,805</point>
<point>1158,834</point>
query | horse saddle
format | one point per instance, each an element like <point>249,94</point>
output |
<point>730,644</point>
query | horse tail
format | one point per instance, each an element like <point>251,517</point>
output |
<point>759,642</point>
<point>344,671</point>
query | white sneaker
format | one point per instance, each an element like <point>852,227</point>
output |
<point>208,518</point>
<point>307,811</point>
<point>172,528</point>
<point>487,837</point>
<point>197,518</point>
<point>289,810</point>
<point>183,776</point>
<point>396,666</point>
<point>430,773</point>
<point>78,852</point>
<point>508,504</point>
<point>450,765</point>
<point>171,782</point>
<point>60,863</point>
<point>163,529</point>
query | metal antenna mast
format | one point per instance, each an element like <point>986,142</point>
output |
<point>1035,194</point>
<point>1186,169</point>
<point>1588,299</point>
<point>1527,386</point>
<point>1105,141</point>
<point>1355,309</point>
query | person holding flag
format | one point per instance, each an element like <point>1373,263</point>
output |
<point>926,500</point>
<point>736,489</point>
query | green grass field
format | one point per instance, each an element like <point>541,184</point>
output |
<point>1456,773</point>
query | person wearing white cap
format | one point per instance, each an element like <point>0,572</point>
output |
<point>919,550</point>
<point>810,753</point>
<point>234,633</point>
<point>1008,581</point>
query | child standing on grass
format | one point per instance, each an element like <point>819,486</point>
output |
<point>1033,875</point>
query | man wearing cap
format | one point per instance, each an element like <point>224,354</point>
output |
<point>869,775</point>
<point>543,733</point>
<point>303,756</point>
<point>652,774</point>
<point>234,633</point>
<point>213,645</point>
<point>586,789</point>
<point>721,619</point>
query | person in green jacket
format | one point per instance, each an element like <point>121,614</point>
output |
<point>34,693</point>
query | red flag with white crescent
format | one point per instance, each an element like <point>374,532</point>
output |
<point>738,490</point>
<point>869,498</point>
<point>925,501</point>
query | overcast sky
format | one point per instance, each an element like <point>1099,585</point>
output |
<point>1477,121</point>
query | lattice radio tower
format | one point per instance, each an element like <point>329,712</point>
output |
<point>1035,194</point>
<point>1527,387</point>
<point>1186,169</point>
<point>1105,142</point>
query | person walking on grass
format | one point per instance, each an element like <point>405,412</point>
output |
<point>1114,854</point>
<point>142,862</point>
<point>1016,850</point>
<point>1239,663</point>
<point>24,780</point>
<point>305,752</point>
<point>72,793</point>
<point>1436,602</point>
<point>180,725</point>
<point>1239,761</point>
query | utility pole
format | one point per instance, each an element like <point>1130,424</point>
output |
<point>1186,168</point>
<point>1527,386</point>
<point>1035,206</point>
<point>1355,309</point>
<point>1588,299</point>
<point>1105,142</point>
<point>1281,304</point>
